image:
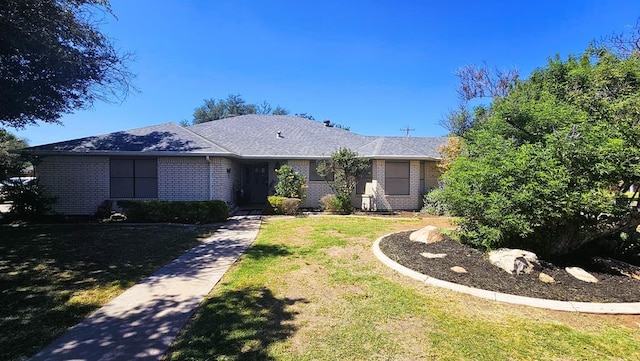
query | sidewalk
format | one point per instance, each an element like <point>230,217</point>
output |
<point>142,322</point>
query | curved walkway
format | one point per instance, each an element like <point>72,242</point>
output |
<point>587,307</point>
<point>143,321</point>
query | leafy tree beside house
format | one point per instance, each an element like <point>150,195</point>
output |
<point>549,164</point>
<point>54,60</point>
<point>347,169</point>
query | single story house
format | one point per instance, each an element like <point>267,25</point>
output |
<point>233,160</point>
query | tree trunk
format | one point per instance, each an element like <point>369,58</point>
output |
<point>572,237</point>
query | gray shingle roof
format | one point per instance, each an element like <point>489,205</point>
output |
<point>249,136</point>
<point>162,139</point>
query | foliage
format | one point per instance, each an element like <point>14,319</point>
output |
<point>290,205</point>
<point>29,200</point>
<point>275,204</point>
<point>291,184</point>
<point>175,211</point>
<point>283,205</point>
<point>11,164</point>
<point>334,204</point>
<point>234,105</point>
<point>434,204</point>
<point>549,164</point>
<point>54,60</point>
<point>347,169</point>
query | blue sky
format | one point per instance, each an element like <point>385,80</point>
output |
<point>375,66</point>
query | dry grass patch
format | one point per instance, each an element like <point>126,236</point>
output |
<point>340,302</point>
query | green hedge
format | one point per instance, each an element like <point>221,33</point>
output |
<point>175,211</point>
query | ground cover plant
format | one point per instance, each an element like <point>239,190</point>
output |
<point>52,276</point>
<point>311,289</point>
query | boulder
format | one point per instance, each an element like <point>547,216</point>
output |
<point>581,274</point>
<point>458,269</point>
<point>546,278</point>
<point>433,255</point>
<point>428,234</point>
<point>514,261</point>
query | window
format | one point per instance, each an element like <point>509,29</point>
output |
<point>367,178</point>
<point>134,178</point>
<point>313,172</point>
<point>397,177</point>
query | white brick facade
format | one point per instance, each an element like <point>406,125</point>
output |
<point>183,178</point>
<point>79,183</point>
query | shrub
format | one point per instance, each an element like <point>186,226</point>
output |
<point>283,205</point>
<point>291,184</point>
<point>175,211</point>
<point>29,200</point>
<point>434,204</point>
<point>275,204</point>
<point>333,203</point>
<point>290,205</point>
<point>347,169</point>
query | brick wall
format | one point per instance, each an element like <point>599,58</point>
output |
<point>432,175</point>
<point>183,178</point>
<point>80,183</point>
<point>223,182</point>
<point>397,202</point>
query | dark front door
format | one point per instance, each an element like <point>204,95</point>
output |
<point>256,182</point>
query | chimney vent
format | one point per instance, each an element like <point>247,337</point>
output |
<point>327,123</point>
<point>279,134</point>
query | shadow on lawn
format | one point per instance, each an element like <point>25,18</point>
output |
<point>236,325</point>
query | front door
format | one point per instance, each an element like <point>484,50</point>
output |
<point>256,183</point>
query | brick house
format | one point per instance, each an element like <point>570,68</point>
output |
<point>232,159</point>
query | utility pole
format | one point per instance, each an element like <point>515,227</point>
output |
<point>407,130</point>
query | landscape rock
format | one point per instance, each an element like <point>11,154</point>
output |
<point>428,234</point>
<point>546,278</point>
<point>514,261</point>
<point>581,274</point>
<point>458,269</point>
<point>433,255</point>
<point>617,267</point>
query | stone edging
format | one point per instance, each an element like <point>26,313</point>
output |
<point>631,308</point>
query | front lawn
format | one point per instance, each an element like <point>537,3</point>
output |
<point>53,276</point>
<point>310,289</point>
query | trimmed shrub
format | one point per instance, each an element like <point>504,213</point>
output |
<point>283,205</point>
<point>175,211</point>
<point>275,204</point>
<point>290,205</point>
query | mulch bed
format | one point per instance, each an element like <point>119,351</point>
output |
<point>482,274</point>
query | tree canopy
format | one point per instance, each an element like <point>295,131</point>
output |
<point>54,60</point>
<point>11,164</point>
<point>552,163</point>
<point>235,105</point>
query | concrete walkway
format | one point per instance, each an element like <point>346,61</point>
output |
<point>142,322</point>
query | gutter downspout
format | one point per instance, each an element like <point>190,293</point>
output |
<point>210,177</point>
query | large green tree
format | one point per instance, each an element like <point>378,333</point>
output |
<point>11,164</point>
<point>551,164</point>
<point>233,106</point>
<point>54,60</point>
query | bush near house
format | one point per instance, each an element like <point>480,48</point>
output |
<point>283,205</point>
<point>175,211</point>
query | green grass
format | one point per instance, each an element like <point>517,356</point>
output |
<point>53,276</point>
<point>309,289</point>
